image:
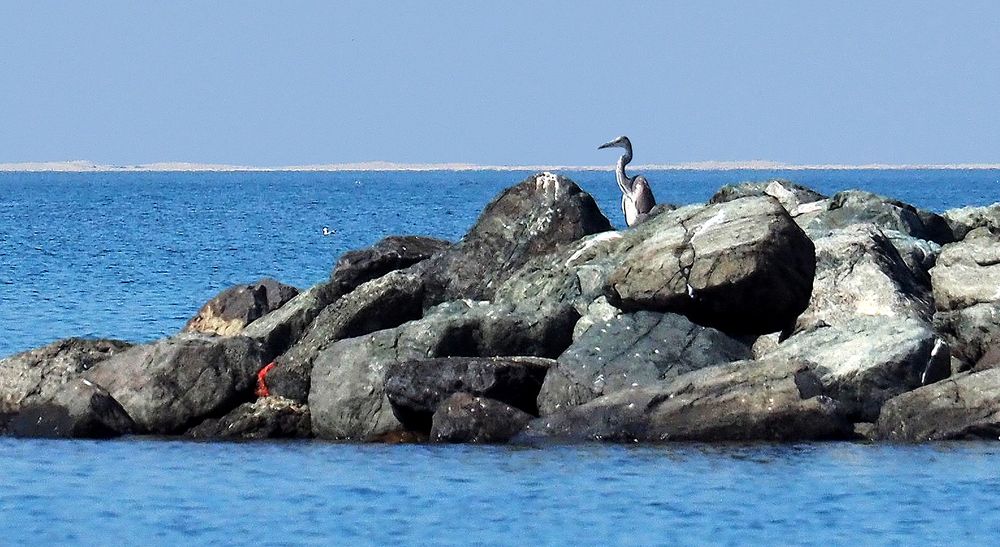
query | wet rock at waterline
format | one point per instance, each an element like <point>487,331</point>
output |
<point>465,418</point>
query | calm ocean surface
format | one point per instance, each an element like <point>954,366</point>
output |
<point>133,256</point>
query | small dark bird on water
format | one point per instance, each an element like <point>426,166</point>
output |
<point>637,198</point>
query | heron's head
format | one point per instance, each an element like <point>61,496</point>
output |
<point>620,142</point>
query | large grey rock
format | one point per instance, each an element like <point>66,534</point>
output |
<point>860,272</point>
<point>529,219</point>
<point>230,311</point>
<point>971,331</point>
<point>964,406</point>
<point>795,198</point>
<point>968,272</point>
<point>633,350</point>
<point>464,418</point>
<point>417,388</point>
<point>965,219</point>
<point>347,396</point>
<point>860,207</point>
<point>169,385</point>
<point>742,266</point>
<point>383,303</point>
<point>35,376</point>
<point>867,360</point>
<point>772,400</point>
<point>265,418</point>
<point>393,253</point>
<point>80,409</point>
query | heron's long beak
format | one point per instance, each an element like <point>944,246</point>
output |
<point>606,145</point>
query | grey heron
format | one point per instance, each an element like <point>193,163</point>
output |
<point>637,198</point>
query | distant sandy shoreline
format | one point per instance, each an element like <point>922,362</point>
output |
<point>87,166</point>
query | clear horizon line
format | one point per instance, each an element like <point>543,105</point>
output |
<point>89,166</point>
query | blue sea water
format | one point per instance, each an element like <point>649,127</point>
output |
<point>133,256</point>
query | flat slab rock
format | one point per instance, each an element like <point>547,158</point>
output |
<point>771,400</point>
<point>742,266</point>
<point>968,272</point>
<point>966,406</point>
<point>35,376</point>
<point>417,388</point>
<point>465,418</point>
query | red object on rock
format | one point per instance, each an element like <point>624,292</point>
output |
<point>262,390</point>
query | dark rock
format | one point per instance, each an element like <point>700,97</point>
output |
<point>964,406</point>
<point>990,359</point>
<point>347,396</point>
<point>866,360</point>
<point>169,385</point>
<point>771,400</point>
<point>859,207</point>
<point>860,272</point>
<point>265,418</point>
<point>386,302</point>
<point>390,254</point>
<point>80,409</point>
<point>633,350</point>
<point>417,388</point>
<point>35,376</point>
<point>464,418</point>
<point>964,220</point>
<point>742,266</point>
<point>530,219</point>
<point>236,307</point>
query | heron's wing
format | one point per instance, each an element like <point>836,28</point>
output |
<point>642,195</point>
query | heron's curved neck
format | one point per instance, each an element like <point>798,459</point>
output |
<point>620,171</point>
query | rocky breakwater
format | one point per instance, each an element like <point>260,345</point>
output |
<point>771,312</point>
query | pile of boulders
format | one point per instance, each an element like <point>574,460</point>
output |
<point>771,312</point>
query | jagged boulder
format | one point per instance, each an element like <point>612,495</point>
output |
<point>962,407</point>
<point>966,219</point>
<point>35,376</point>
<point>386,302</point>
<point>230,311</point>
<point>169,385</point>
<point>281,328</point>
<point>347,396</point>
<point>966,282</point>
<point>860,207</point>
<point>770,400</point>
<point>80,409</point>
<point>860,272</point>
<point>866,360</point>
<point>633,350</point>
<point>465,418</point>
<point>417,388</point>
<point>968,272</point>
<point>742,266</point>
<point>527,220</point>
<point>265,418</point>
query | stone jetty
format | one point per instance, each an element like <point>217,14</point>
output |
<point>770,313</point>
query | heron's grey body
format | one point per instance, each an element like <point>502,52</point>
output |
<point>637,197</point>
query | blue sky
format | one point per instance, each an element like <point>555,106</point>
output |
<point>280,83</point>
